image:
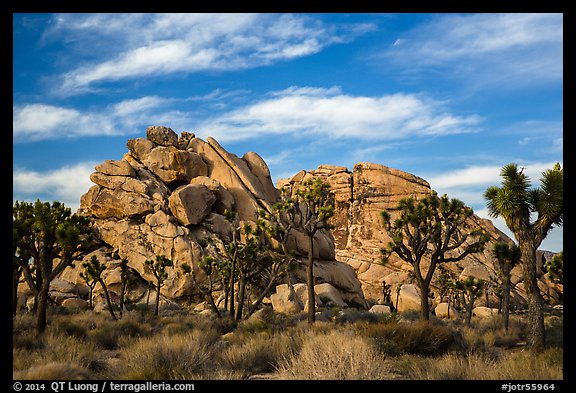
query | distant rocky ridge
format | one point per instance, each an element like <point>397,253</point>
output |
<point>359,197</point>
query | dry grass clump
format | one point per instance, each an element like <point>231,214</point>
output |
<point>257,353</point>
<point>58,348</point>
<point>419,338</point>
<point>335,355</point>
<point>180,356</point>
<point>55,371</point>
<point>478,366</point>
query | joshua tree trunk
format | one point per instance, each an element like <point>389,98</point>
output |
<point>536,337</point>
<point>241,291</point>
<point>42,303</point>
<point>469,308</point>
<point>505,300</point>
<point>15,280</point>
<point>310,280</point>
<point>107,296</point>
<point>424,302</point>
<point>157,306</point>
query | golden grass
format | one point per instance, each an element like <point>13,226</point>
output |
<point>55,371</point>
<point>476,366</point>
<point>181,356</point>
<point>336,355</point>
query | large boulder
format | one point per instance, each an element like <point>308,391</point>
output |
<point>106,203</point>
<point>190,204</point>
<point>172,165</point>
<point>443,311</point>
<point>285,300</point>
<point>484,312</point>
<point>409,298</point>
<point>329,295</point>
<point>224,199</point>
<point>162,136</point>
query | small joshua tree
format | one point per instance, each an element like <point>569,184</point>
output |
<point>93,270</point>
<point>472,288</point>
<point>158,268</point>
<point>507,257</point>
<point>91,283</point>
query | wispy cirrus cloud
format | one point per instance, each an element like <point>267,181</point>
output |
<point>309,111</point>
<point>147,45</point>
<point>505,49</point>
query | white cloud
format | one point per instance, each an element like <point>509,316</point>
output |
<point>304,111</point>
<point>483,176</point>
<point>34,122</point>
<point>504,49</point>
<point>147,45</point>
<point>66,184</point>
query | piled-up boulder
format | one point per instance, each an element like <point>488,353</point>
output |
<point>167,194</point>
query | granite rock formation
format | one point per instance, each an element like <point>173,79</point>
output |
<point>167,193</point>
<point>359,197</point>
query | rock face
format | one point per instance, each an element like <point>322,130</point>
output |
<point>169,193</point>
<point>359,197</point>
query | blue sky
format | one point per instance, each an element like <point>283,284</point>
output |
<point>448,97</point>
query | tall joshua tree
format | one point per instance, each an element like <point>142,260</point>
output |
<point>47,238</point>
<point>507,257</point>
<point>517,203</point>
<point>431,226</point>
<point>311,208</point>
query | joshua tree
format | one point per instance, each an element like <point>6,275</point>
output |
<point>41,234</point>
<point>158,268</point>
<point>124,276</point>
<point>507,257</point>
<point>93,270</point>
<point>555,268</point>
<point>434,226</point>
<point>445,283</point>
<point>310,208</point>
<point>472,288</point>
<point>517,203</point>
<point>91,283</point>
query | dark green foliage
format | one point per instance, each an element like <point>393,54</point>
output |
<point>555,268</point>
